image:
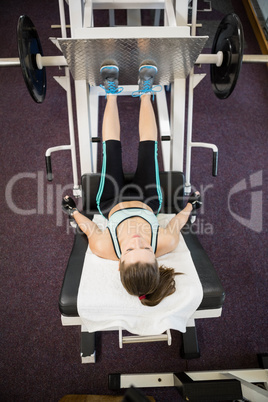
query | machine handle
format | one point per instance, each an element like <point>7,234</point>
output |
<point>215,164</point>
<point>49,168</point>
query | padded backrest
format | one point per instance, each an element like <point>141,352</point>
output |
<point>172,184</point>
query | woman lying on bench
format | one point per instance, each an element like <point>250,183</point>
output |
<point>133,235</point>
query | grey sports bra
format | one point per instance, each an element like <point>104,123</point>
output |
<point>119,216</point>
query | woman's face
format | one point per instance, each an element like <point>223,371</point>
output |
<point>135,249</point>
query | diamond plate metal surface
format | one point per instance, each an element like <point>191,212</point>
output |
<point>174,57</point>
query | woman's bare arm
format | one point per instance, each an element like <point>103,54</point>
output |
<point>177,223</point>
<point>86,225</point>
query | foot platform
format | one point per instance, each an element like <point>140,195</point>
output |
<point>172,50</point>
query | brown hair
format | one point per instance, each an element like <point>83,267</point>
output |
<point>148,279</point>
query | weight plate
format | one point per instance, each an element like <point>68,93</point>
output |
<point>28,46</point>
<point>229,39</point>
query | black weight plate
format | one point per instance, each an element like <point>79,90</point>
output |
<point>28,46</point>
<point>229,39</point>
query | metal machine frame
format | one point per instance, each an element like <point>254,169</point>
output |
<point>86,97</point>
<point>171,130</point>
<point>246,385</point>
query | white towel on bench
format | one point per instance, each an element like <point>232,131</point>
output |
<point>104,304</point>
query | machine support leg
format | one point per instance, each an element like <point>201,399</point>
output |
<point>88,354</point>
<point>190,348</point>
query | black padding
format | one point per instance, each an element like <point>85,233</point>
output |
<point>172,186</point>
<point>212,289</point>
<point>71,281</point>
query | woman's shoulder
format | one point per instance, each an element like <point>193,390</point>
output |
<point>102,246</point>
<point>166,242</point>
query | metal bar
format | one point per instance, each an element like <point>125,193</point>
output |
<point>177,32</point>
<point>50,61</point>
<point>164,127</point>
<point>75,12</point>
<point>60,61</point>
<point>94,94</point>
<point>147,380</point>
<point>71,131</point>
<point>10,62</point>
<point>204,145</point>
<point>157,17</point>
<point>62,19</point>
<point>170,14</point>
<point>255,58</point>
<point>111,18</point>
<point>83,123</point>
<point>194,13</point>
<point>205,9</point>
<point>190,108</point>
<point>249,375</point>
<point>191,145</point>
<point>181,12</point>
<point>189,132</point>
<point>218,58</point>
<point>58,148</point>
<point>57,26</point>
<point>210,59</point>
<point>213,313</point>
<point>126,5</point>
<point>177,117</point>
<point>88,14</point>
<point>141,339</point>
<point>69,102</point>
<point>71,321</point>
<point>134,17</point>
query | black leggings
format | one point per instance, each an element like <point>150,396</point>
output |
<point>145,186</point>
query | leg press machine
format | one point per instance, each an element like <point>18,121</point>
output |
<point>84,51</point>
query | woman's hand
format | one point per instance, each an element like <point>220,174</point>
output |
<point>195,200</point>
<point>68,205</point>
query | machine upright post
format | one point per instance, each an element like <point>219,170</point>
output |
<point>190,108</point>
<point>82,95</point>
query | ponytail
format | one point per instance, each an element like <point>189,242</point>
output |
<point>166,287</point>
<point>149,280</point>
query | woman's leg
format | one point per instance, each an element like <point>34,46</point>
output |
<point>112,177</point>
<point>147,122</point>
<point>147,173</point>
<point>111,123</point>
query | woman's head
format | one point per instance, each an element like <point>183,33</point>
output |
<point>136,249</point>
<point>148,279</point>
<point>140,273</point>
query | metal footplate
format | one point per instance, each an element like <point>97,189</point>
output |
<point>85,55</point>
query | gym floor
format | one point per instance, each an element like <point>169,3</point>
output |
<point>40,359</point>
